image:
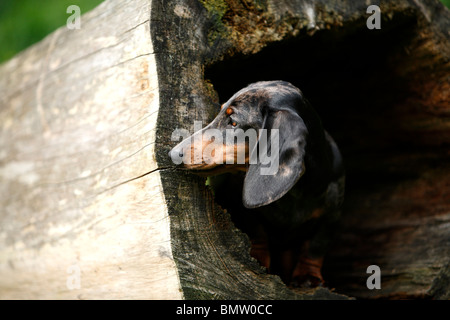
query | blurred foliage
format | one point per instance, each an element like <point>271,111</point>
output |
<point>24,22</point>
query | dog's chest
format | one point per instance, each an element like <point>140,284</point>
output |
<point>294,209</point>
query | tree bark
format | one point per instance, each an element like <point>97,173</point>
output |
<point>383,95</point>
<point>92,206</point>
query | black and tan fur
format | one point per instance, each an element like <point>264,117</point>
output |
<point>291,215</point>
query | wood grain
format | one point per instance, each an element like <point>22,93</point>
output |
<point>80,187</point>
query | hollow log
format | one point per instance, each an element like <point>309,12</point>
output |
<point>92,206</point>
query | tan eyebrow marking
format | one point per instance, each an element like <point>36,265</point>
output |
<point>229,111</point>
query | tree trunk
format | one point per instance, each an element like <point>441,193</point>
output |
<point>92,206</point>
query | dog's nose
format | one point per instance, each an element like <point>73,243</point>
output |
<point>176,154</point>
<point>172,153</point>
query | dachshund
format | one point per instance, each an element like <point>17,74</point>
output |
<point>290,213</point>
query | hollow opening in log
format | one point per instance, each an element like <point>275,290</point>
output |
<point>367,86</point>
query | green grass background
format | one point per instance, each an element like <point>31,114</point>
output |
<point>24,22</point>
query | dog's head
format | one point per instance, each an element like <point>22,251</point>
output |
<point>234,140</point>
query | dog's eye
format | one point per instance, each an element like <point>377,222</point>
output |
<point>232,122</point>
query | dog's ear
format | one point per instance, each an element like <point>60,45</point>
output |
<point>262,187</point>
